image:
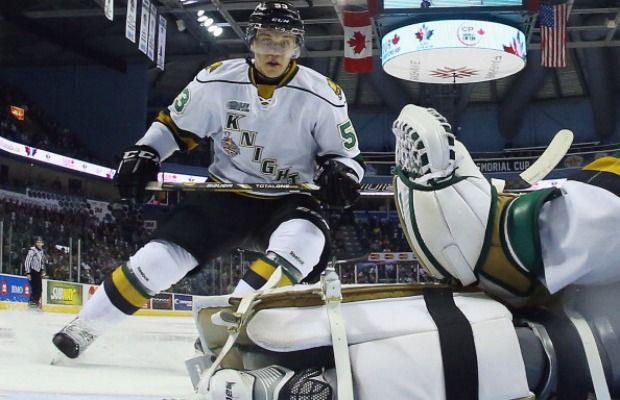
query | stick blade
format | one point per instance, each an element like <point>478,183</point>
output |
<point>550,158</point>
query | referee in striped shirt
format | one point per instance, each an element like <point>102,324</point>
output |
<point>35,268</point>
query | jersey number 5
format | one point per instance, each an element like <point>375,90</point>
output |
<point>347,134</point>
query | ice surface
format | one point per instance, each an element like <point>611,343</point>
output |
<point>143,358</point>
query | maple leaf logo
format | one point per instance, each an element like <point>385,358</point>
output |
<point>357,42</point>
<point>424,33</point>
<point>395,39</point>
<point>516,47</point>
<point>481,32</point>
<point>509,49</point>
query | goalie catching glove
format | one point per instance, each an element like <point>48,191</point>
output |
<point>338,184</point>
<point>140,165</point>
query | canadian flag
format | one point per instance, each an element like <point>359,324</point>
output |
<point>357,42</point>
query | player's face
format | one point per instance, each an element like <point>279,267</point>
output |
<point>38,244</point>
<point>273,51</point>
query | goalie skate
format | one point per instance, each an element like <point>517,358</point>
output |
<point>74,338</point>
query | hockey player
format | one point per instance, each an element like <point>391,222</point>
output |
<point>511,245</point>
<point>271,120</point>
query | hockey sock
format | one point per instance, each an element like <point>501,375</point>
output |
<point>258,274</point>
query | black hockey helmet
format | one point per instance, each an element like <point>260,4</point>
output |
<point>37,239</point>
<point>278,15</point>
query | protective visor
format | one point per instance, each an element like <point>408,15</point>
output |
<point>269,41</point>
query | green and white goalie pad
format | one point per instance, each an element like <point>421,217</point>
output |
<point>393,342</point>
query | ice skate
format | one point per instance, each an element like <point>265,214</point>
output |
<point>74,338</point>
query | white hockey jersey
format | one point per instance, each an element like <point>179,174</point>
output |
<point>276,137</point>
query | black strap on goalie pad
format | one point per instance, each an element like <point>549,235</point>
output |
<point>573,378</point>
<point>458,350</point>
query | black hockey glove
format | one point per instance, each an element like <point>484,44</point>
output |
<point>338,184</point>
<point>140,165</point>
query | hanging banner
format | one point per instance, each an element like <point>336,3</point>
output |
<point>130,22</point>
<point>152,31</point>
<point>144,25</point>
<point>161,43</point>
<point>108,9</point>
<point>357,42</point>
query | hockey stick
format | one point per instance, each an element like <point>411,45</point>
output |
<point>231,187</point>
<point>548,160</point>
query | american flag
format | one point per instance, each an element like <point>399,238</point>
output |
<point>553,19</point>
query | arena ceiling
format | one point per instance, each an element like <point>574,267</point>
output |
<point>53,32</point>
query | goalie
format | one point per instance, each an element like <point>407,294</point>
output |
<point>511,245</point>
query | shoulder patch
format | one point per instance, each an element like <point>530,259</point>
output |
<point>334,86</point>
<point>214,66</point>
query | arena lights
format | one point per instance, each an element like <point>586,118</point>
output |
<point>215,30</point>
<point>207,22</point>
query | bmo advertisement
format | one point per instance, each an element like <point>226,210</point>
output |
<point>14,288</point>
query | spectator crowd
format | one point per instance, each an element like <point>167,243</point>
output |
<point>105,244</point>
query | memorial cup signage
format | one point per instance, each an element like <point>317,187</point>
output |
<point>453,51</point>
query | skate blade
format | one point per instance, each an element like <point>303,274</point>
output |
<point>59,359</point>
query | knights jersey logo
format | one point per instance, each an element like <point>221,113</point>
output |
<point>334,86</point>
